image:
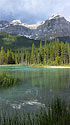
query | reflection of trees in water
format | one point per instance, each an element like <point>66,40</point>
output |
<point>42,85</point>
<point>44,79</point>
<point>51,79</point>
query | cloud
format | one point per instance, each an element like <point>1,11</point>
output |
<point>33,11</point>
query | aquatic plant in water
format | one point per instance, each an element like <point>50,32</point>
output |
<point>58,114</point>
<point>7,80</point>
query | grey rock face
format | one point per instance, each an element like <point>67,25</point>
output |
<point>16,29</point>
<point>57,26</point>
<point>3,24</point>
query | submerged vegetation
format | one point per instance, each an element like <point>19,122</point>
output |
<point>53,53</point>
<point>58,113</point>
<point>7,80</point>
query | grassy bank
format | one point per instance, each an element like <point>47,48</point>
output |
<point>39,65</point>
<point>7,80</point>
<point>57,114</point>
<point>12,65</point>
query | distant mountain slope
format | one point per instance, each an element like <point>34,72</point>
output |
<point>16,42</point>
<point>56,26</point>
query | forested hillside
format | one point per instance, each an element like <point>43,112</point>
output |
<point>15,42</point>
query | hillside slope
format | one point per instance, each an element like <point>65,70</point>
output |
<point>16,42</point>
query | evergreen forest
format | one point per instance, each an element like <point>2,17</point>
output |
<point>52,53</point>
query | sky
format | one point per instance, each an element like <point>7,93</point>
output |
<point>33,11</point>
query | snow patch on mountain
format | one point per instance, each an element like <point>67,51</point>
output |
<point>54,16</point>
<point>34,26</point>
<point>15,22</point>
<point>28,36</point>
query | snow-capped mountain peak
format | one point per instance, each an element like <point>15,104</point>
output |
<point>55,16</point>
<point>16,22</point>
<point>54,27</point>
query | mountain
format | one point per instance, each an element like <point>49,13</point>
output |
<point>54,27</point>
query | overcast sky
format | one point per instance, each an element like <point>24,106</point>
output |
<point>33,11</point>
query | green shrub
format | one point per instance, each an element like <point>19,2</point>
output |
<point>51,63</point>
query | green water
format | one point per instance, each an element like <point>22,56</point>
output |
<point>37,88</point>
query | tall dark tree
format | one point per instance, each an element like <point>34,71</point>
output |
<point>2,56</point>
<point>33,54</point>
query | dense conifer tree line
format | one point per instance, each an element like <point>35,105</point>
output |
<point>53,53</point>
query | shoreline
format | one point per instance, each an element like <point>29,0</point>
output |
<point>12,65</point>
<point>40,66</point>
<point>46,66</point>
<point>60,67</point>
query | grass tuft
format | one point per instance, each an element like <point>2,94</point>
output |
<point>7,80</point>
<point>58,114</point>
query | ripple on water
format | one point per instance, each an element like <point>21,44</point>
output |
<point>26,103</point>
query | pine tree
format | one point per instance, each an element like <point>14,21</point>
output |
<point>41,52</point>
<point>66,57</point>
<point>18,57</point>
<point>44,60</point>
<point>62,52</point>
<point>45,53</point>
<point>22,58</point>
<point>51,52</point>
<point>10,57</point>
<point>57,48</point>
<point>48,52</point>
<point>33,54</point>
<point>69,53</point>
<point>2,56</point>
<point>58,60</point>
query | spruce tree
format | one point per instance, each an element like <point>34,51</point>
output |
<point>41,52</point>
<point>33,54</point>
<point>2,56</point>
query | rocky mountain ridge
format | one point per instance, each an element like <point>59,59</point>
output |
<point>56,26</point>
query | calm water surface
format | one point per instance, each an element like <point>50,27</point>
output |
<point>37,88</point>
